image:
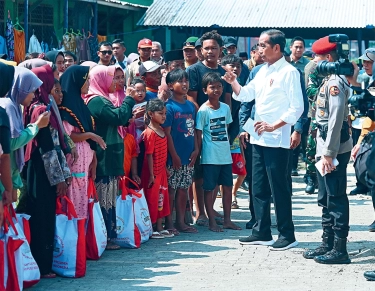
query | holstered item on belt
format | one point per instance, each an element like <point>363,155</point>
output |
<point>344,133</point>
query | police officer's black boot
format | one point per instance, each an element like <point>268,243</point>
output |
<point>325,246</point>
<point>338,255</point>
<point>310,180</point>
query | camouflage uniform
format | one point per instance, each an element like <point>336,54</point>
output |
<point>314,81</point>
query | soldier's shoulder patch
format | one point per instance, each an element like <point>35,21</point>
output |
<point>334,91</point>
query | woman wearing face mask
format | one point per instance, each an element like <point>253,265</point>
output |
<point>57,58</point>
<point>48,174</point>
<point>79,124</point>
<point>109,120</point>
<point>22,93</point>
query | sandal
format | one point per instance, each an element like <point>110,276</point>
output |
<point>235,205</point>
<point>157,235</point>
<point>201,222</point>
<point>48,276</point>
<point>174,231</point>
<point>166,233</point>
<point>112,247</point>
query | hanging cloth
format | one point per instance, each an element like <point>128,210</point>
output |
<point>9,35</point>
<point>93,44</point>
<point>34,45</point>
<point>44,46</point>
<point>84,50</point>
<point>3,46</point>
<point>19,46</point>
<point>102,38</point>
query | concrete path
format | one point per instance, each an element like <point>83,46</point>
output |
<point>216,261</point>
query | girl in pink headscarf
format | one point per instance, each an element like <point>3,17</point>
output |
<point>108,118</point>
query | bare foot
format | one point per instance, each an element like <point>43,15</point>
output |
<point>214,227</point>
<point>231,225</point>
<point>217,214</point>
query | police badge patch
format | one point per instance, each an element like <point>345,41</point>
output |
<point>334,91</point>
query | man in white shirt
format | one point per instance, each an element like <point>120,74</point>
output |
<point>278,104</point>
<point>119,50</point>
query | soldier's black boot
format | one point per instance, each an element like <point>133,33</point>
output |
<point>325,246</point>
<point>310,183</point>
<point>338,255</point>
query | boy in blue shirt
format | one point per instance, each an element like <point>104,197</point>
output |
<point>179,128</point>
<point>212,120</point>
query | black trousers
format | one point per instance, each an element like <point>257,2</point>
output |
<point>356,133</point>
<point>270,177</point>
<point>333,199</point>
<point>249,177</point>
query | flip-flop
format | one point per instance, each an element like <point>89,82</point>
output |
<point>201,222</point>
<point>174,231</point>
<point>189,230</point>
<point>234,205</point>
<point>157,235</point>
<point>49,276</point>
<point>166,233</point>
<point>112,247</point>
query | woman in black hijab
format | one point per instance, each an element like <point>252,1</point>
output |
<point>79,124</point>
<point>57,58</point>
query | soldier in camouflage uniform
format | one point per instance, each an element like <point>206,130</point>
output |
<point>313,82</point>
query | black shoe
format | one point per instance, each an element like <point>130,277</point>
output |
<point>338,255</point>
<point>310,187</point>
<point>256,240</point>
<point>369,275</point>
<point>371,227</point>
<point>325,246</point>
<point>283,244</point>
<point>250,224</point>
<point>245,185</point>
<point>295,173</point>
<point>359,190</point>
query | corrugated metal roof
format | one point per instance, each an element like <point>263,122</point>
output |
<point>261,13</point>
<point>124,3</point>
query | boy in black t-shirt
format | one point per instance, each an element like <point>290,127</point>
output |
<point>211,49</point>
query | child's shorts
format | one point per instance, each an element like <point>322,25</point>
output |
<point>216,175</point>
<point>238,166</point>
<point>181,178</point>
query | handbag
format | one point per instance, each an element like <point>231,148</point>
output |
<point>12,274</point>
<point>31,272</point>
<point>128,234</point>
<point>141,212</point>
<point>96,232</point>
<point>69,254</point>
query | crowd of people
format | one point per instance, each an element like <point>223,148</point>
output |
<point>180,124</point>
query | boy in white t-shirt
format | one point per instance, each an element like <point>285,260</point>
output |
<point>213,141</point>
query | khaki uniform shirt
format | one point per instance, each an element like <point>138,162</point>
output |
<point>332,109</point>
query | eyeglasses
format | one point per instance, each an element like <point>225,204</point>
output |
<point>106,52</point>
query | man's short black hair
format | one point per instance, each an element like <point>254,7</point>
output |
<point>231,59</point>
<point>276,37</point>
<point>297,38</point>
<point>176,75</point>
<point>210,78</point>
<point>104,43</point>
<point>69,53</point>
<point>119,41</point>
<point>212,35</point>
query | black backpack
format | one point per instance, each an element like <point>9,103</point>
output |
<point>362,161</point>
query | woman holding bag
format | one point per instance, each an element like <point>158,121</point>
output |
<point>48,175</point>
<point>109,120</point>
<point>79,124</point>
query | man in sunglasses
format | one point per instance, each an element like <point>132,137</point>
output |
<point>105,53</point>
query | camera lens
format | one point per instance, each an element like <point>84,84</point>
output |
<point>326,68</point>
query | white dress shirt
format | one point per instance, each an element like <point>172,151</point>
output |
<point>277,92</point>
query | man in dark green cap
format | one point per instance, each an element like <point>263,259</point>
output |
<point>189,51</point>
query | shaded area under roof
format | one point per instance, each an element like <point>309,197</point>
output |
<point>261,14</point>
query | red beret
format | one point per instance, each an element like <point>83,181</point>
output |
<point>323,46</point>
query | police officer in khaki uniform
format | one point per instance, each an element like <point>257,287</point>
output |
<point>333,142</point>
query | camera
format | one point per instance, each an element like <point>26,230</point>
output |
<point>363,104</point>
<point>341,67</point>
